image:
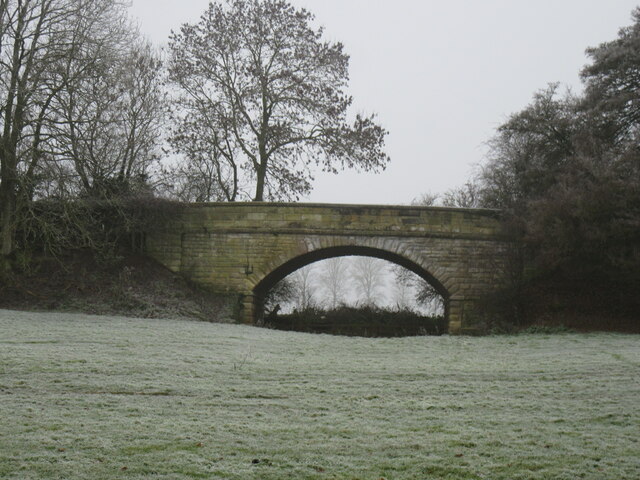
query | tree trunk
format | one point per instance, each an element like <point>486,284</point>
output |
<point>7,201</point>
<point>260,185</point>
<point>261,174</point>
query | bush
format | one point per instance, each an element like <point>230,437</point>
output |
<point>547,329</point>
<point>106,228</point>
<point>364,322</point>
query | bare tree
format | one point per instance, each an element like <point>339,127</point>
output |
<point>332,280</point>
<point>109,120</point>
<point>466,196</point>
<point>283,292</point>
<point>403,287</point>
<point>303,281</point>
<point>211,168</point>
<point>429,298</point>
<point>426,200</point>
<point>206,174</point>
<point>79,98</point>
<point>33,34</point>
<point>413,291</point>
<point>264,95</point>
<point>369,275</point>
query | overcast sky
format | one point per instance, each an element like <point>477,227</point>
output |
<point>441,75</point>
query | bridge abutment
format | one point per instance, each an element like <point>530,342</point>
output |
<point>454,312</point>
<point>248,313</point>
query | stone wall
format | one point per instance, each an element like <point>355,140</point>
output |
<point>244,248</point>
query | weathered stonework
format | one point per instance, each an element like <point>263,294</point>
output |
<point>245,248</point>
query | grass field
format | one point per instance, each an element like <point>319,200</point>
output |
<point>107,397</point>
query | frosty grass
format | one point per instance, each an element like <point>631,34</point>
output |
<point>106,397</point>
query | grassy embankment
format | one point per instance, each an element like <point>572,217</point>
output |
<point>130,285</point>
<point>108,397</point>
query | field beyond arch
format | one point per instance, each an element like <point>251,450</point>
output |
<point>97,397</point>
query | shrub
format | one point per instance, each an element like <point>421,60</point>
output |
<point>364,321</point>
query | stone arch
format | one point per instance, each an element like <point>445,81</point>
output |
<point>279,268</point>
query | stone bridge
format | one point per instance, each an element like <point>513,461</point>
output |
<point>246,248</point>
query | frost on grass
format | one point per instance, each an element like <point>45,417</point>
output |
<point>108,397</point>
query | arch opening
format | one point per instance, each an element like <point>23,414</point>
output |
<point>359,257</point>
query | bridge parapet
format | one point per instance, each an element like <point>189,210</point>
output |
<point>335,218</point>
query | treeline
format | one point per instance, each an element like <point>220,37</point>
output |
<point>82,109</point>
<point>566,172</point>
<point>357,281</point>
